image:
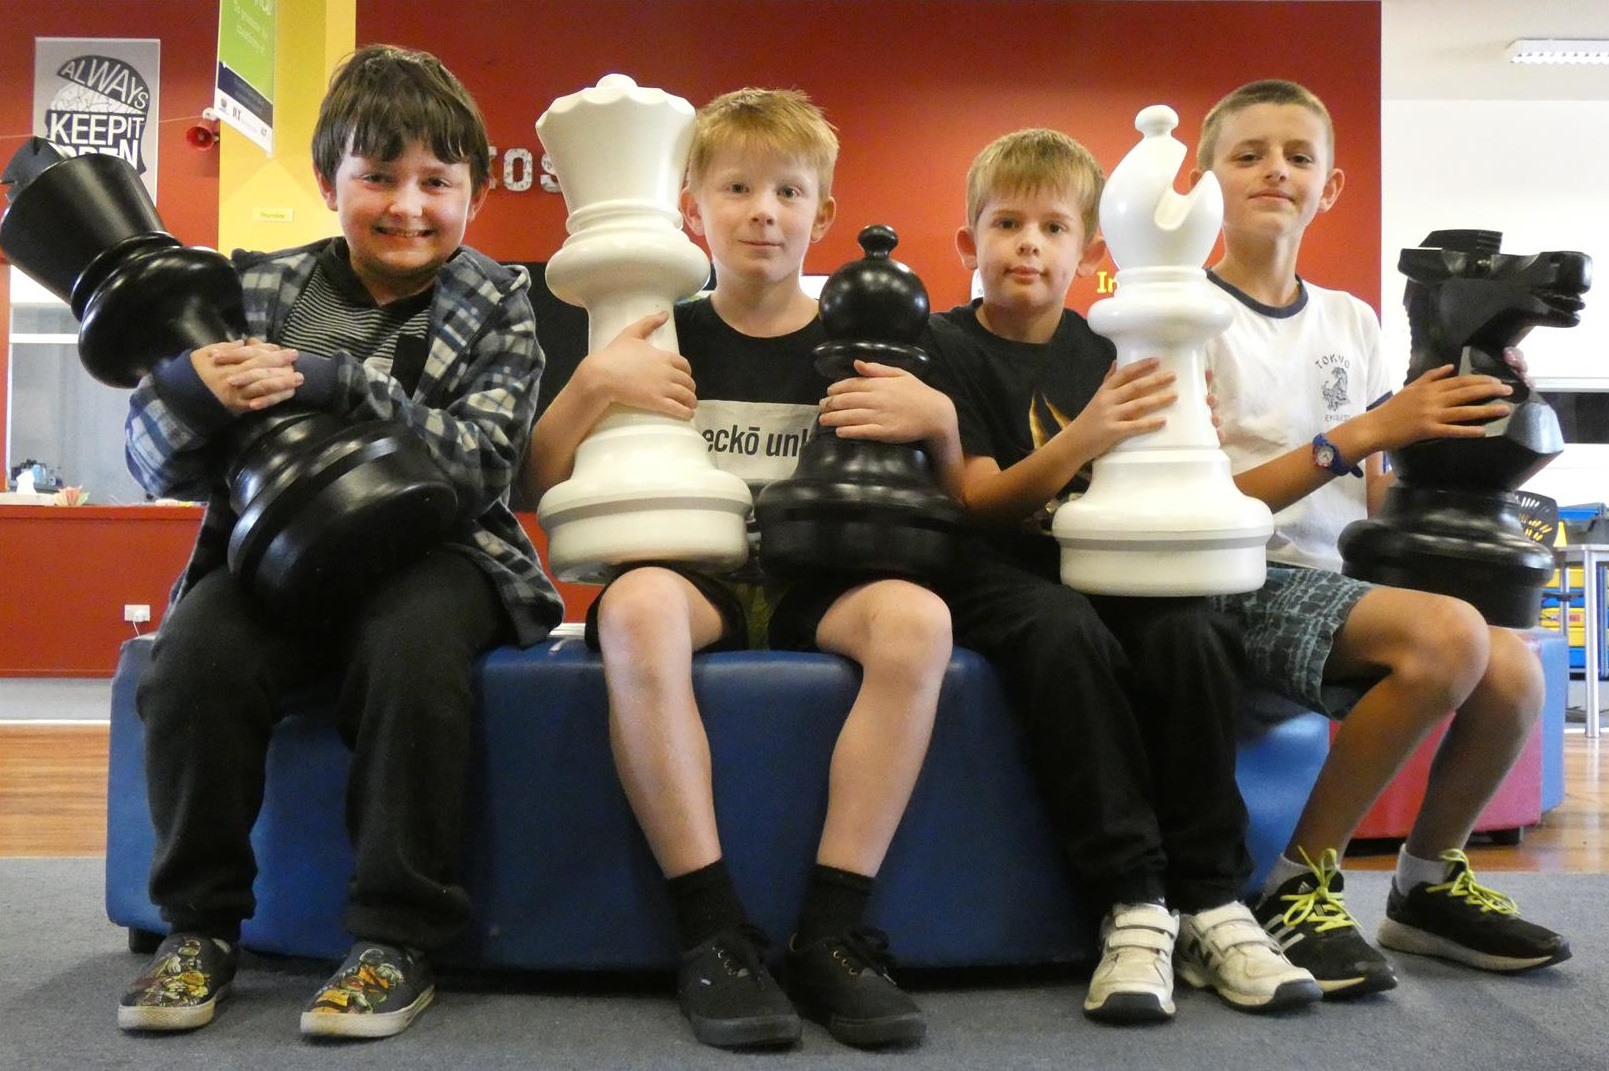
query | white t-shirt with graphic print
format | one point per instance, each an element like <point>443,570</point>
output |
<point>1281,377</point>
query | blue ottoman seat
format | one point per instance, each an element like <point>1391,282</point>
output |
<point>562,879</point>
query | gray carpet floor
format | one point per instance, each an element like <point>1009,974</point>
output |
<point>62,966</point>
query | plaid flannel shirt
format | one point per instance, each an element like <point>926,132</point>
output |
<point>473,409</point>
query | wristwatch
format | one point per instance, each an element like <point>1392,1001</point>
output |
<point>1326,455</point>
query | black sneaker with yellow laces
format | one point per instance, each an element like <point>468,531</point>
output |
<point>1461,920</point>
<point>1307,915</point>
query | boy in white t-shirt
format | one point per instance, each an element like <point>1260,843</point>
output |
<point>1307,411</point>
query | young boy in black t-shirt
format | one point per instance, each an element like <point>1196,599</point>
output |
<point>759,192</point>
<point>1129,702</point>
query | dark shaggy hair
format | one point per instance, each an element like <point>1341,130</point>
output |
<point>382,97</point>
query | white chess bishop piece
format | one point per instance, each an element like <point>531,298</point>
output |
<point>1162,515</point>
<point>643,487</point>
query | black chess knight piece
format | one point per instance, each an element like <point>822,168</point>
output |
<point>324,506</point>
<point>856,506</point>
<point>1451,522</point>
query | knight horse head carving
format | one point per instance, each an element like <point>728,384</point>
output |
<point>1466,302</point>
<point>1162,515</point>
<point>1450,524</point>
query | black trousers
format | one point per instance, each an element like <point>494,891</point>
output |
<point>1129,705</point>
<point>401,668</point>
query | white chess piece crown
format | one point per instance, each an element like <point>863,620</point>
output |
<point>643,487</point>
<point>1162,515</point>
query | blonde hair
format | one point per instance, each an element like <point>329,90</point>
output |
<point>784,122</point>
<point>1267,91</point>
<point>1028,161</point>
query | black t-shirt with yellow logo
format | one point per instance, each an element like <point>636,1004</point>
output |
<point>1012,397</point>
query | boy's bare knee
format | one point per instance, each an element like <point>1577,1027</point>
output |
<point>640,601</point>
<point>1449,643</point>
<point>1514,680</point>
<point>910,624</point>
<point>915,611</point>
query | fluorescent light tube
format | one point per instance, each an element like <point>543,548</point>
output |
<point>1559,50</point>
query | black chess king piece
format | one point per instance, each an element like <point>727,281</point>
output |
<point>324,506</point>
<point>1451,522</point>
<point>854,506</point>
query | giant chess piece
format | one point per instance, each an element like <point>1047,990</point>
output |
<point>1450,523</point>
<point>852,505</point>
<point>1162,515</point>
<point>324,507</point>
<point>643,487</point>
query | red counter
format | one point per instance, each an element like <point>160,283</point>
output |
<point>66,572</point>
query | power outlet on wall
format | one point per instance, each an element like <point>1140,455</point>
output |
<point>137,613</point>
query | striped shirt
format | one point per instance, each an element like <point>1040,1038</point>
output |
<point>335,312</point>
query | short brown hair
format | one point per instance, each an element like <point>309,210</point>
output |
<point>781,121</point>
<point>382,97</point>
<point>1026,161</point>
<point>1267,91</point>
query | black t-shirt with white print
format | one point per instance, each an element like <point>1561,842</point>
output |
<point>757,397</point>
<point>757,400</point>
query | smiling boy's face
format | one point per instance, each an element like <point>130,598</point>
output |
<point>402,218</point>
<point>1027,248</point>
<point>1273,163</point>
<point>759,213</point>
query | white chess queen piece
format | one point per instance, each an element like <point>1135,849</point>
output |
<point>1162,515</point>
<point>643,487</point>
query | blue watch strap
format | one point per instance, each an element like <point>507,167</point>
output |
<point>1327,455</point>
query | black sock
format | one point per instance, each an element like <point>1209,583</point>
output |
<point>835,902</point>
<point>705,903</point>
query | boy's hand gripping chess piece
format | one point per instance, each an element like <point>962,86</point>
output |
<point>643,487</point>
<point>860,506</point>
<point>1451,522</point>
<point>1162,515</point>
<point>324,506</point>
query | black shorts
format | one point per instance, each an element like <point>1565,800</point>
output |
<point>776,617</point>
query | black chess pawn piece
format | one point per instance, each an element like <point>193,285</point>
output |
<point>855,506</point>
<point>1451,523</point>
<point>324,506</point>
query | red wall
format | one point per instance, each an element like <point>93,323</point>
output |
<point>187,179</point>
<point>916,88</point>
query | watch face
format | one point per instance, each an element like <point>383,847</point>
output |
<point>1324,454</point>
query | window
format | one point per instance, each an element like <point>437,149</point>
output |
<point>58,415</point>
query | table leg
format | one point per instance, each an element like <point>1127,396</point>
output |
<point>1591,562</point>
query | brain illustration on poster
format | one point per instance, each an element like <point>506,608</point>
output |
<point>98,95</point>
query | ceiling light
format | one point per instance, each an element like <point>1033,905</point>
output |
<point>1559,50</point>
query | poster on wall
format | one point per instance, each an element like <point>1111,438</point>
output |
<point>95,94</point>
<point>244,97</point>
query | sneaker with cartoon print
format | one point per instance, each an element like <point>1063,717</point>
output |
<point>375,993</point>
<point>181,987</point>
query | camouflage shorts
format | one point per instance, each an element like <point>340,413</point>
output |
<point>1289,626</point>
